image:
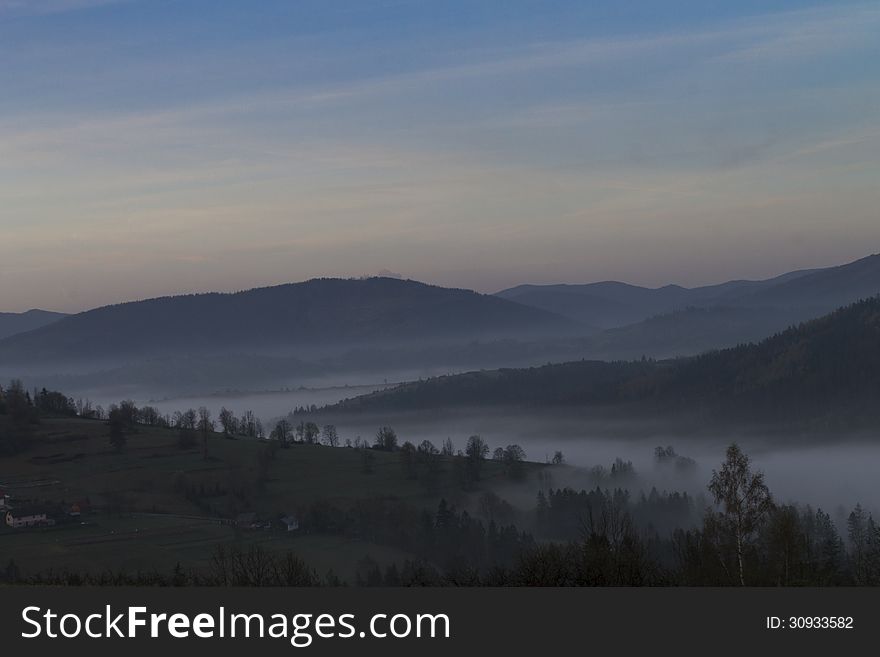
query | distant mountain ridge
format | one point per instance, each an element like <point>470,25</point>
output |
<point>313,314</point>
<point>386,328</point>
<point>823,288</point>
<point>13,323</point>
<point>676,321</point>
<point>803,294</point>
<point>825,372</point>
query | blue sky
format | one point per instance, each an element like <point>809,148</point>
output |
<point>152,147</point>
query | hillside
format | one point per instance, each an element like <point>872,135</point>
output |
<point>315,314</point>
<point>688,332</point>
<point>156,505</point>
<point>826,369</point>
<point>611,304</point>
<point>605,305</point>
<point>13,323</point>
<point>800,295</point>
<point>822,289</point>
<point>676,321</point>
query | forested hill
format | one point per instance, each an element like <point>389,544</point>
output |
<point>799,295</point>
<point>828,368</point>
<point>313,313</point>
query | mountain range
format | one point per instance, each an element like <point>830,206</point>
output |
<point>674,321</point>
<point>339,330</point>
<point>799,294</point>
<point>824,373</point>
<point>309,316</point>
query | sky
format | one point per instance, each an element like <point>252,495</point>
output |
<point>153,147</point>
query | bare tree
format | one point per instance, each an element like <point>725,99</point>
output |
<point>476,449</point>
<point>282,432</point>
<point>150,416</point>
<point>329,436</point>
<point>386,439</point>
<point>248,423</point>
<point>744,499</point>
<point>307,432</point>
<point>228,422</point>
<point>185,420</point>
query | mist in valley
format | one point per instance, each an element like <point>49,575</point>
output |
<point>264,404</point>
<point>634,339</point>
<point>412,433</point>
<point>834,472</point>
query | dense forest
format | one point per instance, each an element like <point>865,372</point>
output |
<point>824,373</point>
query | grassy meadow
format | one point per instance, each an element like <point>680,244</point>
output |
<point>155,504</point>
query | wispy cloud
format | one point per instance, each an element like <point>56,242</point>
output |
<point>808,34</point>
<point>784,35</point>
<point>556,155</point>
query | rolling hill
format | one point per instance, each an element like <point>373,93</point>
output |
<point>827,369</point>
<point>799,295</point>
<point>314,315</point>
<point>13,323</point>
<point>674,321</point>
<point>335,331</point>
<point>688,332</point>
<point>817,290</point>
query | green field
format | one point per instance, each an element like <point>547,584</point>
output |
<point>156,505</point>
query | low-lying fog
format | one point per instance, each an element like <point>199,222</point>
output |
<point>838,471</point>
<point>833,471</point>
<point>265,405</point>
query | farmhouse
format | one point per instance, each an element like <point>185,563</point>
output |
<point>28,517</point>
<point>290,522</point>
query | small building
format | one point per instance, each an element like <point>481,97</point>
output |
<point>79,508</point>
<point>290,522</point>
<point>28,517</point>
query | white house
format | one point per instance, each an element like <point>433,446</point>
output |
<point>28,517</point>
<point>290,522</point>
